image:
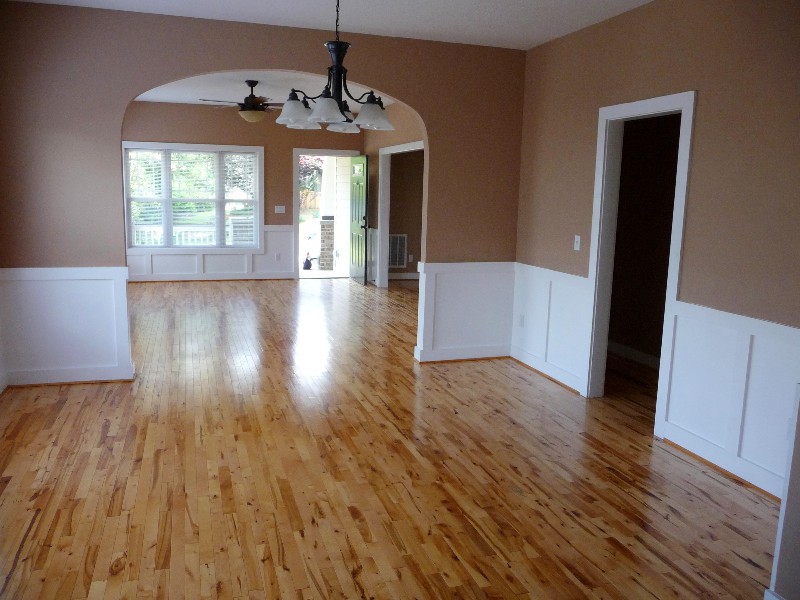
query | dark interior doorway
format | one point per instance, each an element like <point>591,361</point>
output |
<point>641,256</point>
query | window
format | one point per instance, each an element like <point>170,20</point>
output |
<point>187,196</point>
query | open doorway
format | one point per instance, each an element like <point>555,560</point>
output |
<point>323,201</point>
<point>641,255</point>
<point>393,217</point>
<point>608,167</point>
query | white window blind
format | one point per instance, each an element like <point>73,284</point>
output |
<point>182,197</point>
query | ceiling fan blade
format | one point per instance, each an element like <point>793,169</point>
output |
<point>220,101</point>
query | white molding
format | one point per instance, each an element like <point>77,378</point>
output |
<point>786,564</point>
<point>461,353</point>
<point>384,204</point>
<point>570,380</point>
<point>65,325</point>
<point>770,595</point>
<point>552,323</point>
<point>274,261</point>
<point>608,159</point>
<point>464,310</point>
<point>3,350</point>
<point>745,370</point>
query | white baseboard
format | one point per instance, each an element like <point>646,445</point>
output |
<point>535,362</point>
<point>770,595</point>
<point>65,325</point>
<point>403,276</point>
<point>460,353</point>
<point>464,310</point>
<point>3,379</point>
<point>632,354</point>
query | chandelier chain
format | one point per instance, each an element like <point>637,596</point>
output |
<point>337,20</point>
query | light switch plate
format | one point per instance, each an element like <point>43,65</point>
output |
<point>280,209</point>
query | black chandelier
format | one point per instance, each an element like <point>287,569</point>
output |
<point>330,106</point>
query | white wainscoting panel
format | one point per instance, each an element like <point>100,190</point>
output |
<point>726,391</point>
<point>176,264</point>
<point>220,264</point>
<point>62,325</point>
<point>712,388</point>
<point>785,580</point>
<point>3,351</point>
<point>552,324</point>
<point>276,261</point>
<point>464,310</point>
<point>138,264</point>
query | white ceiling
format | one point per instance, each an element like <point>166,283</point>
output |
<point>519,24</point>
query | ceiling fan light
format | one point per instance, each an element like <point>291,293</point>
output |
<point>326,111</point>
<point>293,112</point>
<point>252,116</point>
<point>373,117</point>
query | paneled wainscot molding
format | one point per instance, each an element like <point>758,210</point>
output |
<point>64,324</point>
<point>275,261</point>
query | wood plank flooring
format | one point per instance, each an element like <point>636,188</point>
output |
<point>279,441</point>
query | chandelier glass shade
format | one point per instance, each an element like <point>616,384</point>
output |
<point>330,105</point>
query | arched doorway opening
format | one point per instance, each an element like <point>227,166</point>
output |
<point>199,111</point>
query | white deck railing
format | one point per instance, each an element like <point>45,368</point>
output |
<point>238,232</point>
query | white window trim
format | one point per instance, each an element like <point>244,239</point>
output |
<point>198,250</point>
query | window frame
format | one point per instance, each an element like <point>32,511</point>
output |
<point>259,200</point>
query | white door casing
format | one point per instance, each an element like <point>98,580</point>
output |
<point>604,217</point>
<point>384,203</point>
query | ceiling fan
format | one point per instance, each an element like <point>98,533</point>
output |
<point>252,108</point>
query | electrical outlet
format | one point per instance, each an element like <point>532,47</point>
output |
<point>577,244</point>
<point>277,256</point>
<point>410,258</point>
<point>280,209</point>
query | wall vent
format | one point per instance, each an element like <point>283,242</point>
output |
<point>398,253</point>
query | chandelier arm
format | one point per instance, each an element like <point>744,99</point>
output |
<point>306,96</point>
<point>349,95</point>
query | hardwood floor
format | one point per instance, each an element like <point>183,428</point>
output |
<point>280,441</point>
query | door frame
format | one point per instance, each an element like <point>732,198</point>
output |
<point>297,152</point>
<point>384,204</point>
<point>604,223</point>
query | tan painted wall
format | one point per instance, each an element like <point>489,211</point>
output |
<point>741,249</point>
<point>70,73</point>
<point>192,124</point>
<point>405,210</point>
<point>408,127</point>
